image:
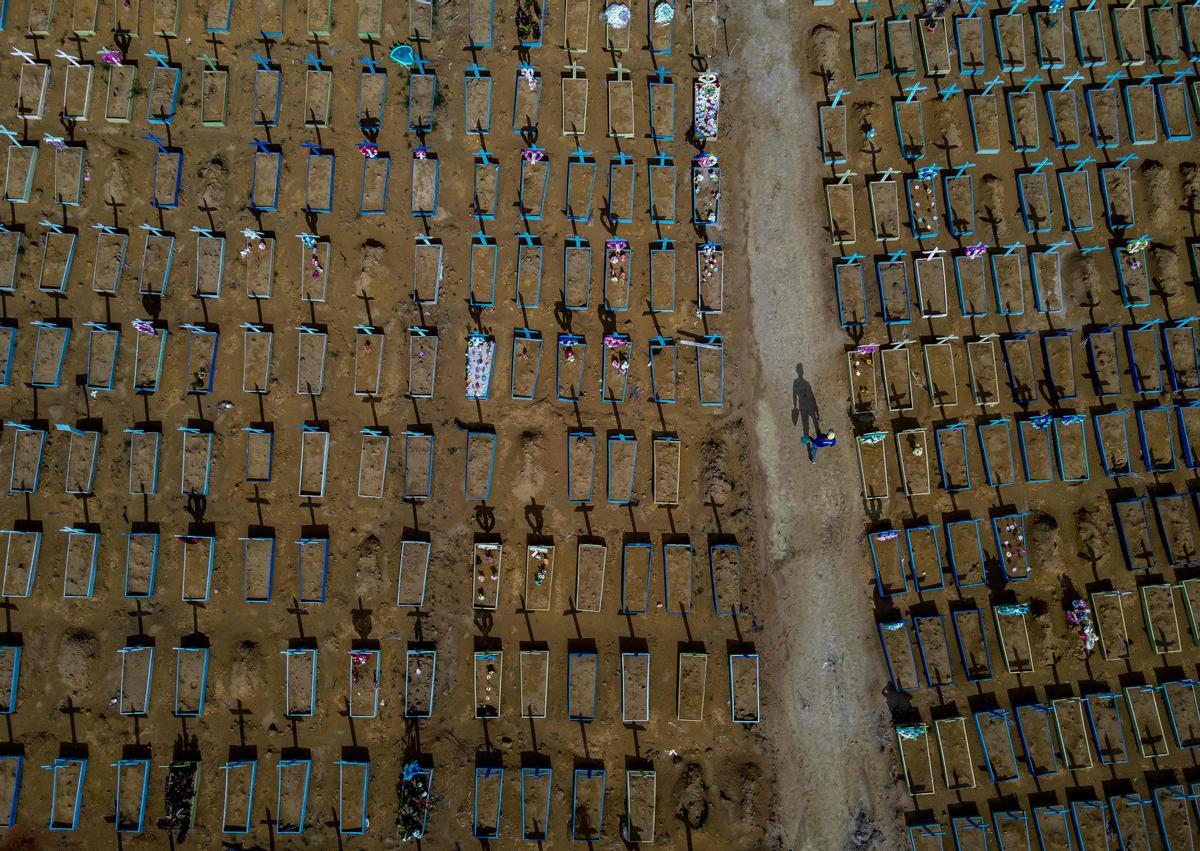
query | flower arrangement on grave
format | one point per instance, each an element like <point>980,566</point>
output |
<point>481,351</point>
<point>664,12</point>
<point>617,252</point>
<point>540,556</point>
<point>368,149</point>
<point>872,438</point>
<point>110,57</point>
<point>977,250</point>
<point>1080,617</point>
<point>359,667</point>
<point>415,802</point>
<point>863,357</point>
<point>251,236</point>
<point>529,20</point>
<point>1012,542</point>
<point>617,15</point>
<point>619,346</point>
<point>144,326</point>
<point>707,105</point>
<point>530,77</point>
<point>533,155</point>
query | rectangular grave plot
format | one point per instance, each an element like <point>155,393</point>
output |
<point>368,360</point>
<point>1063,108</point>
<point>995,729</point>
<point>1128,35</point>
<point>661,182</point>
<point>191,680</point>
<point>574,101</point>
<point>258,569</point>
<point>691,678</point>
<point>622,182</point>
<point>300,691</point>
<point>427,270</point>
<point>535,678</point>
<point>984,375</point>
<point>912,451</point>
<point>1188,422</point>
<point>137,668</point>
<point>1133,532</point>
<point>678,572</point>
<point>291,805</point>
<point>314,461</point>
<point>850,281</point>
<point>420,669</point>
<point>141,562</point>
<point>958,769</point>
<point>318,97</point>
<point>970,636</point>
<point>425,185</point>
<point>104,346</point>
<point>860,370</point>
<point>940,374</point>
<point>636,568</point>
<point>581,465</point>
<point>487,800</point>
<point>635,688</point>
<point>527,100</point>
<point>725,568</point>
<point>418,464</point>
<point>970,46</point>
<point>1176,524</point>
<point>29,445</point>
<point>744,697</point>
<point>1162,619</point>
<point>260,446</point>
<point>201,359</point>
<point>1018,364</point>
<point>1071,727</point>
<point>1156,438</point>
<point>1166,40</point>
<point>1112,442</point>
<point>970,277</point>
<point>590,559</point>
<point>1015,647</point>
<point>143,461</point>
<point>422,100</point>
<point>932,294</point>
<point>264,181</point>
<point>354,778</point>
<point>199,555</point>
<point>1109,609</point>
<point>1050,38</point>
<point>901,47</point>
<point>1008,283</point>
<point>79,566</point>
<point>1108,731</point>
<point>480,22</point>
<point>487,561</point>
<point>884,196</point>
<point>1035,729</point>
<point>934,650</point>
<point>311,346</point>
<point>481,454</point>
<point>34,81</point>
<point>570,366</point>
<point>872,466</point>
<point>897,378</point>
<point>372,96</point>
<point>1010,41</point>
<point>485,188</point>
<point>530,254</point>
<point>319,174</point>
<point>77,92</point>
<point>1142,114</point>
<point>621,465</point>
<point>661,108</point>
<point>864,49</point>
<point>1116,190</point>
<point>960,204</point>
<point>888,560</point>
<point>82,450</point>
<point>896,638</point>
<point>421,19</point>
<point>258,256</point>
<point>1146,721</point>
<point>133,781</point>
<point>539,577</point>
<point>373,463</point>
<point>892,278</point>
<point>582,676</point>
<point>414,568</point>
<point>1036,451</point>
<point>909,117</point>
<point>839,200</point>
<point>916,759</point>
<point>935,46</point>
<point>667,464</point>
<point>488,675</point>
<point>8,350</point>
<point>164,94</point>
<point>984,113</point>
<point>57,260</point>
<point>69,174</point>
<point>1183,712</point>
<point>1103,108</point>
<point>422,363</point>
<point>49,352</point>
<point>1037,213</point>
<point>257,343</point>
<point>1088,31</point>
<point>22,547</point>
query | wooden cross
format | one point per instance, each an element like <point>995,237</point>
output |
<point>53,226</point>
<point>11,134</point>
<point>1070,80</point>
<point>1149,78</point>
<point>837,97</point>
<point>1112,78</point>
<point>962,169</point>
<point>843,176</point>
<point>1088,160</point>
<point>934,253</point>
<point>1029,81</point>
<point>975,6</point>
<point>108,230</point>
<point>903,9</point>
<point>260,146</point>
<point>158,142</point>
<point>950,91</point>
<point>851,259</point>
<point>370,66</point>
<point>887,174</point>
<point>914,90</point>
<point>1056,246</point>
<point>897,256</point>
<point>28,57</point>
<point>1013,248</point>
<point>71,60</point>
<point>314,61</point>
<point>1090,249</point>
<point>991,84</point>
<point>263,63</point>
<point>1124,161</point>
<point>210,61</point>
<point>312,147</point>
<point>1015,6</point>
<point>151,230</point>
<point>1038,166</point>
<point>204,233</point>
<point>1178,78</point>
<point>159,58</point>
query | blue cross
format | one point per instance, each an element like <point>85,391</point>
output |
<point>976,5</point>
<point>372,67</point>
<point>202,232</point>
<point>1029,81</point>
<point>108,230</point>
<point>962,169</point>
<point>913,91</point>
<point>903,9</point>
<point>851,259</point>
<point>160,58</point>
<point>991,84</point>
<point>484,157</point>
<point>1013,248</point>
<point>870,4</point>
<point>1112,78</point>
<point>579,155</point>
<point>660,76</point>
<point>158,142</point>
<point>950,91</point>
<point>1086,161</point>
<point>54,226</point>
<point>1070,80</point>
<point>11,134</point>
<point>837,97</point>
<point>1016,4</point>
<point>1178,78</point>
<point>263,63</point>
<point>313,148</point>
<point>260,146</point>
<point>1038,166</point>
<point>151,230</point>
<point>1090,249</point>
<point>1149,78</point>
<point>1124,161</point>
<point>1090,6</point>
<point>1056,246</point>
<point>474,70</point>
<point>309,59</point>
<point>897,256</point>
<point>661,158</point>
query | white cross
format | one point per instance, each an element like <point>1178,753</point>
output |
<point>28,57</point>
<point>62,54</point>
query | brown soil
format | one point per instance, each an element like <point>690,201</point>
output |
<point>318,97</point>
<point>901,51</point>
<point>667,462</point>
<point>581,461</point>
<point>418,451</point>
<point>971,635</point>
<point>985,115</point>
<point>636,565</point>
<point>489,668</point>
<point>958,768</point>
<point>581,686</point>
<point>635,687</point>
<point>589,577</point>
<point>419,683</point>
<point>885,208</point>
<point>539,577</point>
<point>692,675</point>
<point>935,652</point>
<point>744,685</point>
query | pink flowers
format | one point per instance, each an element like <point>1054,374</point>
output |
<point>978,249</point>
<point>370,150</point>
<point>110,57</point>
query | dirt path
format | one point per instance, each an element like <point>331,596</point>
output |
<point>825,679</point>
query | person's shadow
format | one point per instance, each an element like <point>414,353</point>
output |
<point>804,403</point>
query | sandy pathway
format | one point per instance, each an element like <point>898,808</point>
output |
<point>824,676</point>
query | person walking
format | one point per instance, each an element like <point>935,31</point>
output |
<point>821,441</point>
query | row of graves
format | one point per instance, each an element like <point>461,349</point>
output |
<point>297,800</point>
<point>1005,422</point>
<point>158,94</point>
